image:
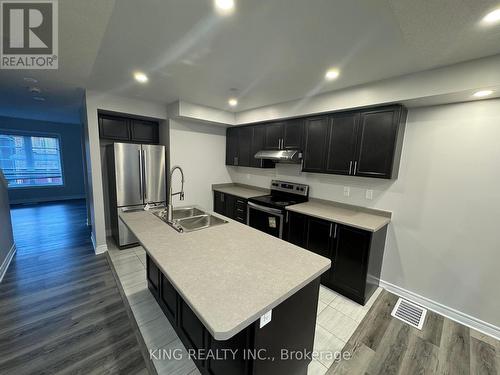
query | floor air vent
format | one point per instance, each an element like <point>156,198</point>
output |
<point>409,313</point>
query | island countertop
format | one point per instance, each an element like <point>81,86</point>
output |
<point>230,274</point>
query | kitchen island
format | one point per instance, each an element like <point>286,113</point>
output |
<point>217,287</point>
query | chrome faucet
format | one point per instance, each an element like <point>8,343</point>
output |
<point>170,208</point>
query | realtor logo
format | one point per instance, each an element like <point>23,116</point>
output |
<point>29,34</point>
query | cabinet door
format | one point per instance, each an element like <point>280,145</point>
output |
<point>219,203</point>
<point>318,240</point>
<point>232,146</point>
<point>377,142</point>
<point>258,144</point>
<point>230,201</point>
<point>292,135</point>
<point>116,128</point>
<point>191,327</point>
<point>153,277</point>
<point>342,144</point>
<point>244,146</point>
<point>349,260</point>
<point>168,299</point>
<point>144,131</point>
<point>296,228</point>
<point>316,133</point>
<point>274,133</point>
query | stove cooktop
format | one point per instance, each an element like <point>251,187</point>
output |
<point>270,201</point>
<point>283,194</point>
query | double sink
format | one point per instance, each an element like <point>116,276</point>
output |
<point>189,219</point>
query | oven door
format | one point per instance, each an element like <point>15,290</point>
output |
<point>265,219</point>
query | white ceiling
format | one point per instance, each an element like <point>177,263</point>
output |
<point>270,50</point>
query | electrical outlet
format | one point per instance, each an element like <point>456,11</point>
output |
<point>347,191</point>
<point>369,194</point>
<point>266,318</point>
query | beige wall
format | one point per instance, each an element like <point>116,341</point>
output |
<point>200,150</point>
<point>443,243</point>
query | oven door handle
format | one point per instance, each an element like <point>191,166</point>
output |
<point>269,210</point>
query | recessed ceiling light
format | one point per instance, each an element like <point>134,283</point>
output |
<point>39,98</point>
<point>140,77</point>
<point>224,6</point>
<point>233,102</point>
<point>34,90</point>
<point>332,74</point>
<point>482,93</point>
<point>492,17</point>
<point>30,80</point>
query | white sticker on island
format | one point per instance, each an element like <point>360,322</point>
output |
<point>266,318</point>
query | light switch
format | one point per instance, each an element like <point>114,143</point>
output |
<point>347,191</point>
<point>369,194</point>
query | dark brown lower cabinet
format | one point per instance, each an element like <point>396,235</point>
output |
<point>254,348</point>
<point>231,206</point>
<point>356,254</point>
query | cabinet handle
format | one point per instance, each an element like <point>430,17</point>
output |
<point>222,197</point>
<point>287,216</point>
<point>331,227</point>
<point>335,232</point>
<point>350,166</point>
<point>235,160</point>
<point>355,167</point>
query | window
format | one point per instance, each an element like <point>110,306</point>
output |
<point>30,160</point>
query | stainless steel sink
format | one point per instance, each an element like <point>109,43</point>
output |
<point>199,222</point>
<point>183,212</point>
<point>189,219</point>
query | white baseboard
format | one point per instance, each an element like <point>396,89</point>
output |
<point>98,249</point>
<point>457,316</point>
<point>6,261</point>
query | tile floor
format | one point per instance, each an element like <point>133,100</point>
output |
<point>338,317</point>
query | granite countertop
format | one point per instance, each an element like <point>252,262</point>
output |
<point>358,217</point>
<point>242,191</point>
<point>229,275</point>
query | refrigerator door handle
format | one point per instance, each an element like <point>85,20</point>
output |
<point>141,172</point>
<point>144,171</point>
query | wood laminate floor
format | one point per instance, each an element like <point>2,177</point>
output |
<point>384,345</point>
<point>60,308</point>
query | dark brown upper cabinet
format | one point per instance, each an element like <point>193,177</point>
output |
<point>342,144</point>
<point>316,144</point>
<point>286,135</point>
<point>258,144</point>
<point>126,129</point>
<point>232,146</point>
<point>364,143</point>
<point>144,131</point>
<point>274,134</point>
<point>380,140</point>
<point>116,128</point>
<point>242,143</point>
<point>293,133</point>
<point>245,135</point>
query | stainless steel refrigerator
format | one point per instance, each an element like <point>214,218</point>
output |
<point>137,176</point>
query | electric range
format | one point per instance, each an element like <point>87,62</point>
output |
<point>267,212</point>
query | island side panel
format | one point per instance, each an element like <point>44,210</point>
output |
<point>290,334</point>
<point>291,328</point>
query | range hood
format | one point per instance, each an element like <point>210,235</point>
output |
<point>282,156</point>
